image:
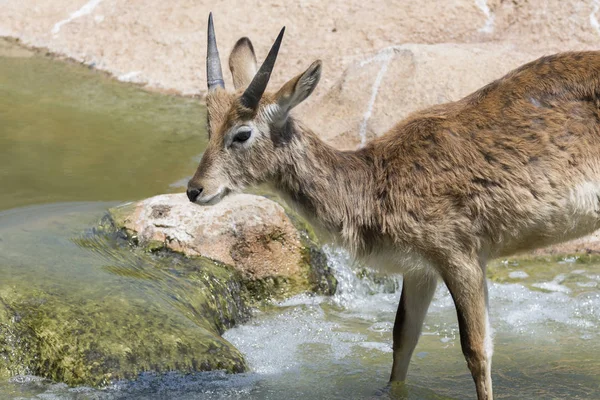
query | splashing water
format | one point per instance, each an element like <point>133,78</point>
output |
<point>340,347</point>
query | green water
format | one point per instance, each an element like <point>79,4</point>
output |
<point>68,133</point>
<point>74,142</point>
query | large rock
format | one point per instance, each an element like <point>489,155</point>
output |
<point>163,43</point>
<point>86,341</point>
<point>87,309</point>
<point>251,233</point>
<point>380,90</point>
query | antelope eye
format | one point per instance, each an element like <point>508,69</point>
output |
<point>242,135</point>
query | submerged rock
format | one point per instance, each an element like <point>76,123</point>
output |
<point>252,234</point>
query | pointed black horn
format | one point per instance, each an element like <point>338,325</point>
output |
<point>214,74</point>
<point>257,87</point>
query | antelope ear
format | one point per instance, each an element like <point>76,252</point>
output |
<point>242,63</point>
<point>296,90</point>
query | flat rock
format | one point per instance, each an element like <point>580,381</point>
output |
<point>586,245</point>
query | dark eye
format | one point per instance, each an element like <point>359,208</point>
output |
<point>242,136</point>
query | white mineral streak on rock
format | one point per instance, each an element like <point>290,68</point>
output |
<point>88,8</point>
<point>488,27</point>
<point>384,56</point>
<point>593,20</point>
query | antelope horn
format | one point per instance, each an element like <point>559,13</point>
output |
<point>214,74</point>
<point>257,87</point>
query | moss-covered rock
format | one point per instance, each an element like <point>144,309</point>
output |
<point>87,309</point>
<point>276,255</point>
<point>93,341</point>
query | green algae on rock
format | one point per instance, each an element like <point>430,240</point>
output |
<point>85,341</point>
<point>99,310</point>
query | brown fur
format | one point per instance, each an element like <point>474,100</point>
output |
<point>508,168</point>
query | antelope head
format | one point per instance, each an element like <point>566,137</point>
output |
<point>248,129</point>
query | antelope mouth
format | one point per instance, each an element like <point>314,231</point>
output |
<point>213,199</point>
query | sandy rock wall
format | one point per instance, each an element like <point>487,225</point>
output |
<point>162,43</point>
<point>380,90</point>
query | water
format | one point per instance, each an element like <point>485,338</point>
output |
<point>68,134</point>
<point>546,344</point>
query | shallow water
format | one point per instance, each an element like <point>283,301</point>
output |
<point>69,134</point>
<point>546,346</point>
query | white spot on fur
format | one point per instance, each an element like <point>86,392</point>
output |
<point>535,102</point>
<point>583,194</point>
<point>270,112</point>
<point>399,261</point>
<point>85,10</point>
<point>489,22</point>
<point>583,202</point>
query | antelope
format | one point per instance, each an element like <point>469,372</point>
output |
<point>511,167</point>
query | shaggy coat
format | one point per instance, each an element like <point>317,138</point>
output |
<point>511,167</point>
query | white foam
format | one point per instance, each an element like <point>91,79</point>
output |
<point>383,347</point>
<point>516,307</point>
<point>554,285</point>
<point>274,345</point>
<point>518,275</point>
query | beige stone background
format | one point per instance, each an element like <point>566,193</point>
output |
<point>382,58</point>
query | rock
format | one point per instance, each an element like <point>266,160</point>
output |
<point>159,306</point>
<point>87,342</point>
<point>162,44</point>
<point>100,311</point>
<point>381,90</point>
<point>586,245</point>
<point>251,233</point>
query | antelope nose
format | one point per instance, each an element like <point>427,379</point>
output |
<point>193,193</point>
